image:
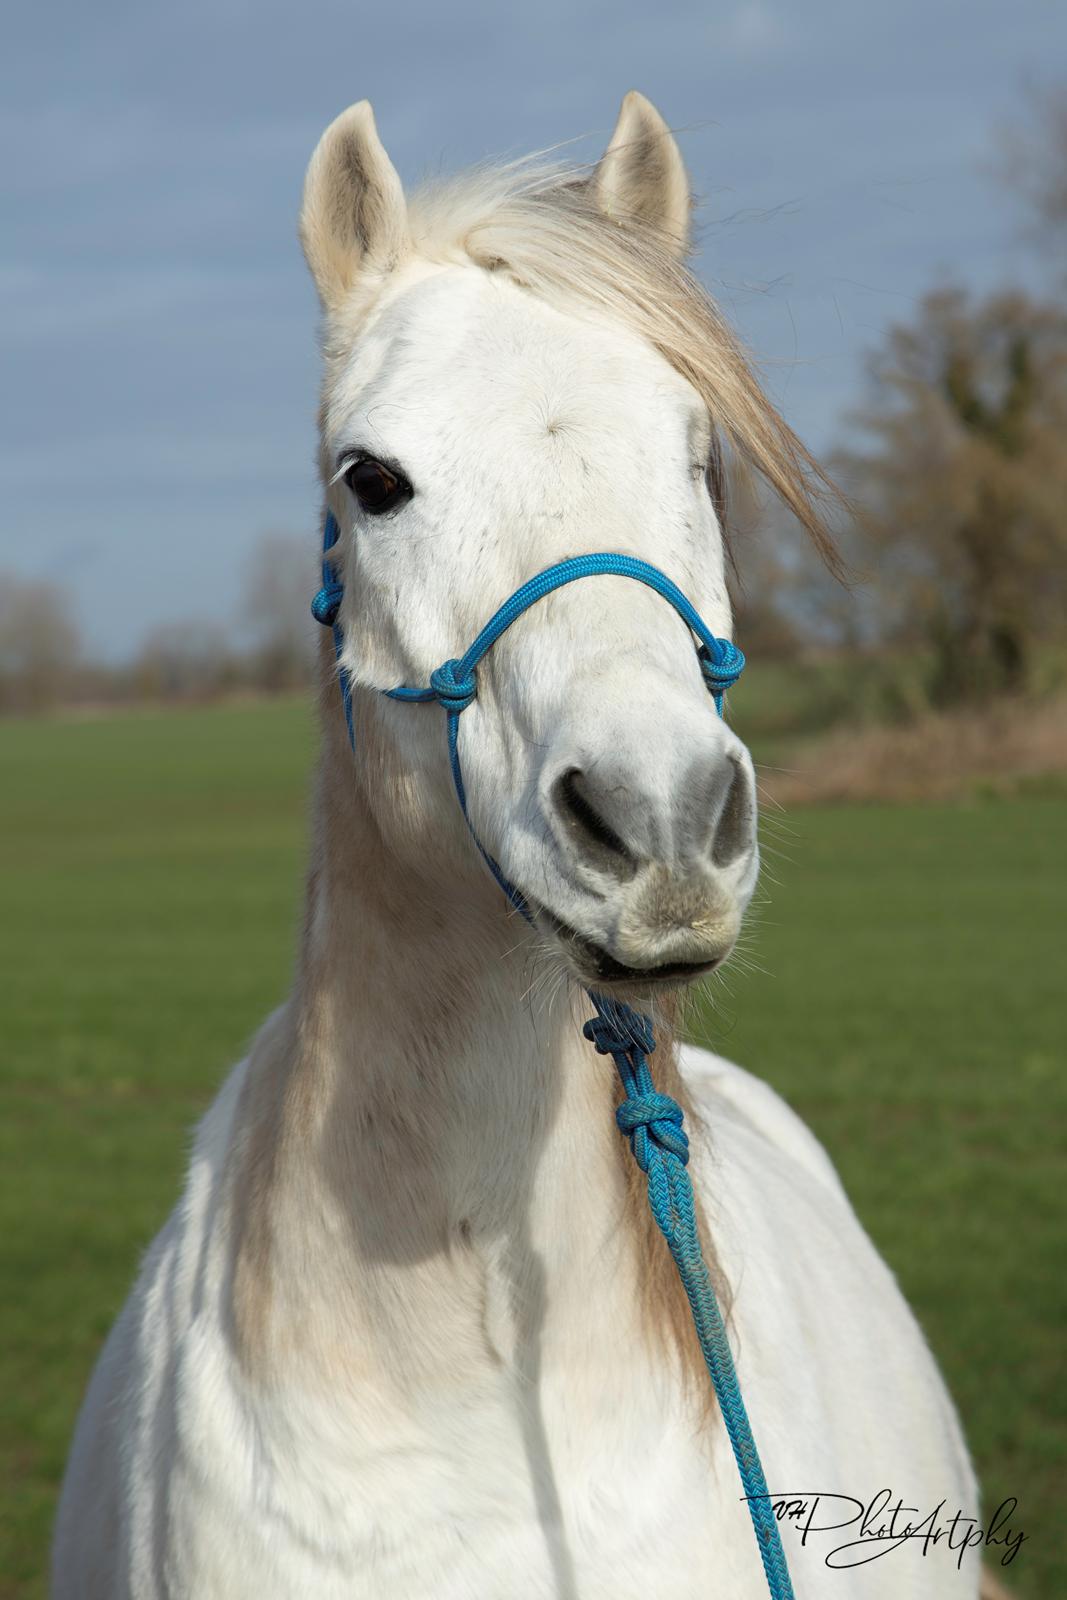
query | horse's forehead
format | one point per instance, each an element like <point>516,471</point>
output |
<point>479,345</point>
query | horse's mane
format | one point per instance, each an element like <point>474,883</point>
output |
<point>539,222</point>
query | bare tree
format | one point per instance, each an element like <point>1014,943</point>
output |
<point>966,484</point>
<point>186,661</point>
<point>281,578</point>
<point>40,644</point>
<point>1032,162</point>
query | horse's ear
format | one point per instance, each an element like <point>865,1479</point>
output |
<point>641,176</point>
<point>353,213</point>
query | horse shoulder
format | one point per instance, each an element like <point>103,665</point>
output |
<point>816,1314</point>
<point>713,1081</point>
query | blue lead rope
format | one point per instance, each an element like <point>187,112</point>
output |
<point>653,1124</point>
<point>651,1121</point>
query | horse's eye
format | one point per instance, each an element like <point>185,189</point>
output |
<point>377,488</point>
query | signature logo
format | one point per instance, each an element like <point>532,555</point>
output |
<point>884,1523</point>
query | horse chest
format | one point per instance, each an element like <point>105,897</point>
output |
<point>563,1464</point>
<point>496,1493</point>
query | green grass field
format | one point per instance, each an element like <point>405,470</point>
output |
<point>910,1007</point>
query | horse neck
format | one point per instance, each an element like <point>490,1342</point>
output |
<point>425,1113</point>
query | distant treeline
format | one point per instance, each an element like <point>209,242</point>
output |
<point>44,662</point>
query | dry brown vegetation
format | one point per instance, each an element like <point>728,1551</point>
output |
<point>995,749</point>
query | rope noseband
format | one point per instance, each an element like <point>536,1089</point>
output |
<point>651,1121</point>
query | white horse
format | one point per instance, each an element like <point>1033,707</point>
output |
<point>409,1332</point>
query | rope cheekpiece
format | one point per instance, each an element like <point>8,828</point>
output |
<point>652,1122</point>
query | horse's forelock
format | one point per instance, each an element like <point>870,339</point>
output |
<point>539,222</point>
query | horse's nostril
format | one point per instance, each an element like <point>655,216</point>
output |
<point>597,840</point>
<point>735,828</point>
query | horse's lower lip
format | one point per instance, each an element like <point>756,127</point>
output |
<point>600,966</point>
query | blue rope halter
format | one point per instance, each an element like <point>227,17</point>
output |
<point>651,1121</point>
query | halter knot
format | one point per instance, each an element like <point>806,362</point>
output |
<point>327,603</point>
<point>455,694</point>
<point>618,1030</point>
<point>723,668</point>
<point>653,1117</point>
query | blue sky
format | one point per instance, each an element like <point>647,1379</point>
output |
<point>158,326</point>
